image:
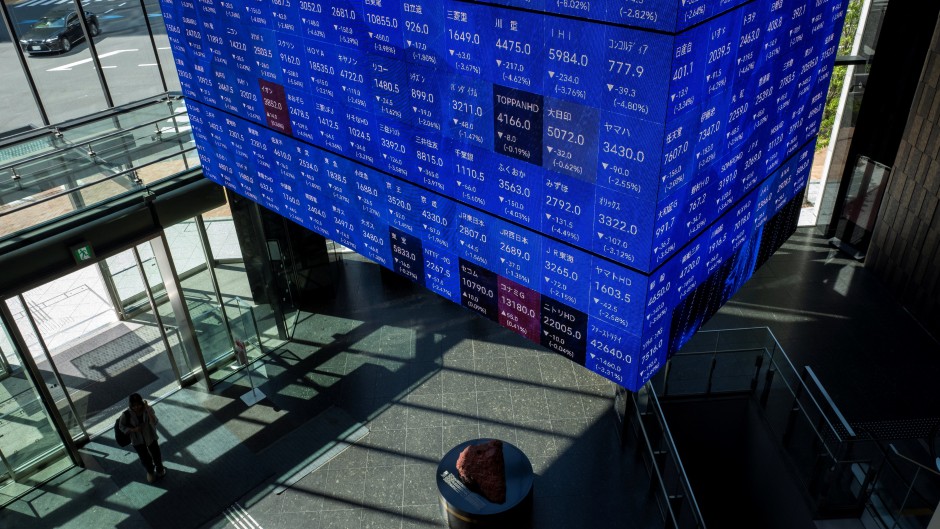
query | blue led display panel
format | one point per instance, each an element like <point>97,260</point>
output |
<point>555,166</point>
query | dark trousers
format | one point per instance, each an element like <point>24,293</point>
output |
<point>150,457</point>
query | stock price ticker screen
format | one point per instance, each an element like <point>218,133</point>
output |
<point>596,182</point>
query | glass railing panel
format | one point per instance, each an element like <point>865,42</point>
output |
<point>22,150</point>
<point>88,190</point>
<point>736,372</point>
<point>685,376</point>
<point>671,488</point>
<point>130,119</point>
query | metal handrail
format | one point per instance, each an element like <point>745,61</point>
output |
<point>680,468</point>
<point>59,151</point>
<point>633,409</point>
<point>55,128</point>
<point>784,361</point>
<point>96,182</point>
<point>912,461</point>
<point>832,404</point>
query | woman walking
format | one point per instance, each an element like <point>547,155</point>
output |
<point>140,422</point>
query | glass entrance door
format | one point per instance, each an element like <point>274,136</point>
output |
<point>28,437</point>
<point>91,351</point>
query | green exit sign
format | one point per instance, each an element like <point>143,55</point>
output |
<point>83,253</point>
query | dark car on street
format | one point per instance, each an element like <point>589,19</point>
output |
<point>57,32</point>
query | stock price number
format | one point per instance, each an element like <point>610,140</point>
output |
<point>517,189</point>
<point>435,217</point>
<point>562,322</point>
<point>563,271</point>
<point>612,291</point>
<point>569,57</point>
<point>565,135</point>
<point>612,351</point>
<point>476,287</point>
<point>562,205</point>
<point>515,46</point>
<point>625,68</point>
<point>627,153</point>
<point>514,121</point>
<point>617,224</point>
<point>514,251</point>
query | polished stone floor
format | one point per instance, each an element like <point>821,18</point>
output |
<point>383,379</point>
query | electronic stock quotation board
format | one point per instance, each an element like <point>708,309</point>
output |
<point>598,177</point>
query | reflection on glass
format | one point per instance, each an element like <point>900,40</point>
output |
<point>155,16</point>
<point>859,39</point>
<point>58,58</point>
<point>126,54</point>
<point>199,293</point>
<point>27,433</point>
<point>243,311</point>
<point>128,287</point>
<point>99,357</point>
<point>15,87</point>
<point>29,330</point>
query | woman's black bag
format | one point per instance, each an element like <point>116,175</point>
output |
<point>122,438</point>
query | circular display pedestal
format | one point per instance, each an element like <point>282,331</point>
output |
<point>466,509</point>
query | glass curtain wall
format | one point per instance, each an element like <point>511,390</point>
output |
<point>127,53</point>
<point>51,39</point>
<point>182,352</point>
<point>215,288</point>
<point>97,352</point>
<point>28,436</point>
<point>134,323</point>
<point>857,47</point>
<point>24,115</point>
<point>164,55</point>
<point>54,74</point>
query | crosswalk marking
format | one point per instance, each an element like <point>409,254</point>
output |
<point>29,3</point>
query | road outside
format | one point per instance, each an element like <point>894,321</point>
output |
<point>67,82</point>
